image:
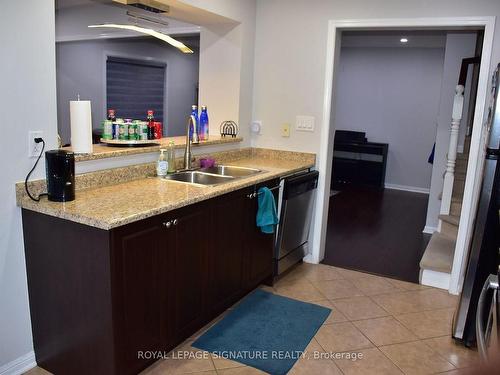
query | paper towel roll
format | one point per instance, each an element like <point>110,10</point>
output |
<point>80,117</point>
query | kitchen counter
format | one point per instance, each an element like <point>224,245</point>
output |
<point>114,205</point>
<point>103,151</point>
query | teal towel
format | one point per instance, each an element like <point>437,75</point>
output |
<point>266,213</point>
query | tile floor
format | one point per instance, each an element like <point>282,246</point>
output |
<point>399,327</point>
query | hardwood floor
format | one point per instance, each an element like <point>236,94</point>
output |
<point>377,231</point>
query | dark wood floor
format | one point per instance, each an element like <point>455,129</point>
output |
<point>377,231</point>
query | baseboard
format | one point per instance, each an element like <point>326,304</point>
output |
<point>309,259</point>
<point>413,189</point>
<point>429,230</point>
<point>436,279</point>
<point>19,365</point>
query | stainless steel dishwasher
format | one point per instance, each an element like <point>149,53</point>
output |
<point>295,206</point>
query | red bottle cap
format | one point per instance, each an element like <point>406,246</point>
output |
<point>150,112</point>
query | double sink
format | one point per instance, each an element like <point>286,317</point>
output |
<point>212,175</point>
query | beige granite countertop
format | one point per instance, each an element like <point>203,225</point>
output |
<point>103,151</point>
<point>111,206</point>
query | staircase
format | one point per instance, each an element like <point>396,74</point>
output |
<point>437,261</point>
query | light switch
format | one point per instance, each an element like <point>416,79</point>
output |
<point>304,123</point>
<point>285,130</point>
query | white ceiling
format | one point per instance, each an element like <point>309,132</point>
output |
<point>391,39</point>
<point>74,16</point>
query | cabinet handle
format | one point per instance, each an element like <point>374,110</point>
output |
<point>167,224</point>
<point>175,222</point>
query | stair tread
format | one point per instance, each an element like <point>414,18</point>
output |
<point>450,219</point>
<point>438,255</point>
<point>454,199</point>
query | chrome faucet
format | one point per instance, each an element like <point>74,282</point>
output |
<point>188,159</point>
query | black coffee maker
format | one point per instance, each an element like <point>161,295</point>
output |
<point>60,170</point>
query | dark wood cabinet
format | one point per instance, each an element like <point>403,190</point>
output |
<point>258,246</point>
<point>189,232</point>
<point>99,298</point>
<point>141,297</point>
<point>227,248</point>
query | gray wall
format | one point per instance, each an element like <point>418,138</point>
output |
<point>393,95</point>
<point>81,70</point>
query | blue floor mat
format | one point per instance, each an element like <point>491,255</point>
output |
<point>265,331</point>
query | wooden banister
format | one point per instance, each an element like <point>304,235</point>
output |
<point>449,176</point>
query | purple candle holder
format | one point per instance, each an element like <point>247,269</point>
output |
<point>207,162</point>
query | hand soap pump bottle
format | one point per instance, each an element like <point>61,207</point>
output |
<point>162,164</point>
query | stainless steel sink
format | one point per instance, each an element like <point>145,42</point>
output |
<point>232,171</point>
<point>198,178</point>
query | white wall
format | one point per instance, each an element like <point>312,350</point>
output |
<point>226,66</point>
<point>226,57</point>
<point>290,55</point>
<point>28,101</point>
<point>392,94</point>
<point>458,47</point>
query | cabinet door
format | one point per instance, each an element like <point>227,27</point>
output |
<point>259,246</point>
<point>189,268</point>
<point>227,249</point>
<point>140,295</point>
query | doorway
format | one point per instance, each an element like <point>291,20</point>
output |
<point>394,92</point>
<point>477,140</point>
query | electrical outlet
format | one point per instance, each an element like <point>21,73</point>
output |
<point>285,130</point>
<point>34,149</point>
<point>304,123</point>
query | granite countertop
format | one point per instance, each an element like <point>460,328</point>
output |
<point>103,151</point>
<point>111,206</point>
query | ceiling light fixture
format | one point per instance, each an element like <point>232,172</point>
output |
<point>153,33</point>
<point>403,40</point>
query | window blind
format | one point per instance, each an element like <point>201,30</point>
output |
<point>134,86</point>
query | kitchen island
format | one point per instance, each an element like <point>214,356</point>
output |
<point>138,264</point>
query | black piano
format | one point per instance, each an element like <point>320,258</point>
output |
<point>357,162</point>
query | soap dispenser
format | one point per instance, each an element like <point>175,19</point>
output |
<point>162,164</point>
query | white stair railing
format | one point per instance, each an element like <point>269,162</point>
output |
<point>449,176</point>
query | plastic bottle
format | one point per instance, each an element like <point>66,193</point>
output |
<point>203,133</point>
<point>162,164</point>
<point>151,124</point>
<point>194,112</point>
<point>171,157</point>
